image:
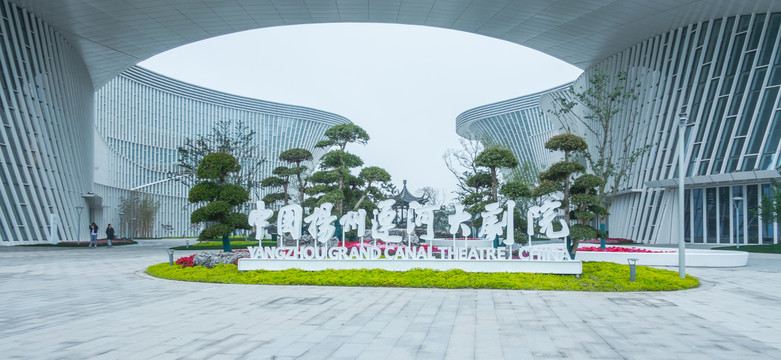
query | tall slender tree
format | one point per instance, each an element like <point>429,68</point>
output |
<point>602,110</point>
<point>231,137</point>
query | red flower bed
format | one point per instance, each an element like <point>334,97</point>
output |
<point>186,261</point>
<point>383,246</point>
<point>619,249</point>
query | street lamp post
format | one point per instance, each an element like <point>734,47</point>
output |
<point>682,122</point>
<point>79,208</point>
<point>737,200</point>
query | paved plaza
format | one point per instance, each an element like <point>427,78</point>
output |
<point>82,303</point>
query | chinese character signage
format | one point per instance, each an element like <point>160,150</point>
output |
<point>497,224</point>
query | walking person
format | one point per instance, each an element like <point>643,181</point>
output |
<point>93,234</point>
<point>109,234</point>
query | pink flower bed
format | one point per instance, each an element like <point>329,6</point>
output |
<point>619,249</point>
<point>608,241</point>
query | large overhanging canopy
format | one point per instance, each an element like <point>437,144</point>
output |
<point>115,34</point>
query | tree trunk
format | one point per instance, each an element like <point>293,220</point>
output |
<point>494,184</point>
<point>301,188</point>
<point>226,243</point>
<point>368,185</point>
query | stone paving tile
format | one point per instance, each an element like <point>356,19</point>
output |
<point>96,304</point>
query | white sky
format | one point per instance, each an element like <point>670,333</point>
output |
<point>405,85</point>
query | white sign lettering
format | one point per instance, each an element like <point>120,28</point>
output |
<point>321,225</point>
<point>546,213</point>
<point>258,218</point>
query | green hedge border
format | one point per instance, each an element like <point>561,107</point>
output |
<point>597,276</point>
<point>766,249</point>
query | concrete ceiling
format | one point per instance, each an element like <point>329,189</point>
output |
<point>112,35</point>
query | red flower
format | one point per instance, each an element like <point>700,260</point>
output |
<point>186,261</point>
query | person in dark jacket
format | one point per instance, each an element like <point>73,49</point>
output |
<point>109,234</point>
<point>93,235</point>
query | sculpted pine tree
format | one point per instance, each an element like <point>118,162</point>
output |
<point>494,158</point>
<point>520,193</point>
<point>222,198</point>
<point>334,182</point>
<point>297,157</point>
<point>579,199</point>
<point>478,195</point>
<point>372,176</point>
<point>277,182</point>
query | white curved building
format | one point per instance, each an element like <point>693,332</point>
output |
<point>56,54</point>
<point>725,75</point>
<point>519,123</point>
<point>141,119</point>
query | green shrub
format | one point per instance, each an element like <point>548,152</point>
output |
<point>597,276</point>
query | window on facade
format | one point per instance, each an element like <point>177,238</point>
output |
<point>739,208</point>
<point>710,210</point>
<point>725,203</point>
<point>697,219</point>
<point>767,226</point>
<point>752,195</point>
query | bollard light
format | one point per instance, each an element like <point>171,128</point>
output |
<point>187,243</point>
<point>170,256</point>
<point>632,262</point>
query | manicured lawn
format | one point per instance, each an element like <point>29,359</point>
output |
<point>770,249</point>
<point>217,245</point>
<point>597,276</point>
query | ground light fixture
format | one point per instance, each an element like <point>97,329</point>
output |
<point>737,200</point>
<point>170,256</point>
<point>632,262</point>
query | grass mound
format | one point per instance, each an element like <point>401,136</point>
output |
<point>597,276</point>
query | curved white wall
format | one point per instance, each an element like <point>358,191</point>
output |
<point>46,131</point>
<point>142,117</point>
<point>725,74</point>
<point>519,123</point>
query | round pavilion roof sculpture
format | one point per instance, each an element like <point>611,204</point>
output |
<point>404,198</point>
<point>112,35</point>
